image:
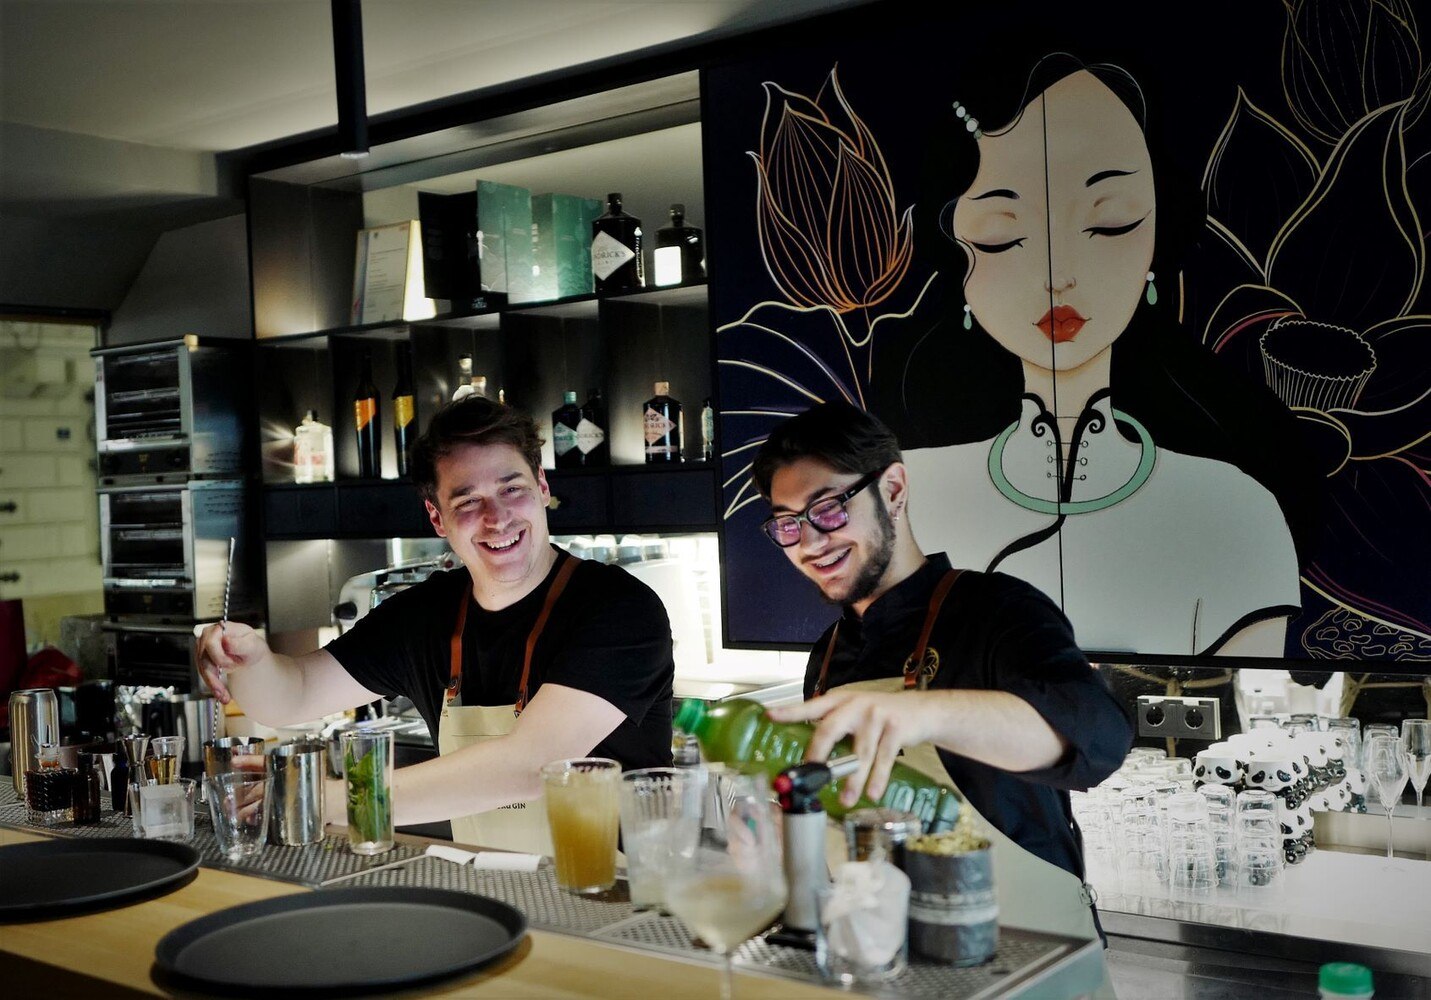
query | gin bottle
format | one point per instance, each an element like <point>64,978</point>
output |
<point>664,426</point>
<point>591,431</point>
<point>616,261</point>
<point>565,421</point>
<point>680,254</point>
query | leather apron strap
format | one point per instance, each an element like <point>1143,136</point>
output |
<point>454,684</point>
<point>913,675</point>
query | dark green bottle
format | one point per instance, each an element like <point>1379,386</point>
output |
<point>738,733</point>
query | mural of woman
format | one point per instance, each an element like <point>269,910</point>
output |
<point>1103,457</point>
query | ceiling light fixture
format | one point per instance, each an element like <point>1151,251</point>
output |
<point>348,69</point>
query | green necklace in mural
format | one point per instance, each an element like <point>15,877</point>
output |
<point>1041,506</point>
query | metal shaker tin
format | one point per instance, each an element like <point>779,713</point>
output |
<point>953,911</point>
<point>295,813</point>
<point>880,832</point>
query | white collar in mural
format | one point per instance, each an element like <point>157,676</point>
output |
<point>1104,470</point>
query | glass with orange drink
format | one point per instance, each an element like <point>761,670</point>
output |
<point>584,814</point>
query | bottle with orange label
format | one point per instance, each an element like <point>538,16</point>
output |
<point>365,418</point>
<point>404,412</point>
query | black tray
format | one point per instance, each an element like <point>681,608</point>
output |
<point>339,942</point>
<point>48,878</point>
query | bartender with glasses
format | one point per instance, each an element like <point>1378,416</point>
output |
<point>523,656</point>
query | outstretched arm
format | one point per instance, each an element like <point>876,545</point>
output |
<point>560,722</point>
<point>274,689</point>
<point>992,727</point>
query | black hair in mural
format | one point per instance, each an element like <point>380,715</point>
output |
<point>960,385</point>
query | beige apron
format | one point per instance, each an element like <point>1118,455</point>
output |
<point>1032,893</point>
<point>520,826</point>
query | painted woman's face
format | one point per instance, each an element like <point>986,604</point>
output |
<point>1060,255</point>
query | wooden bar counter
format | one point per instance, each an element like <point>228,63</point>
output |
<point>110,954</point>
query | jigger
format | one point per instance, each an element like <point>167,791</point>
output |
<point>135,747</point>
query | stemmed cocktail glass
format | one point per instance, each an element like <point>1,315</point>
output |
<point>729,892</point>
<point>1386,770</point>
<point>1416,746</point>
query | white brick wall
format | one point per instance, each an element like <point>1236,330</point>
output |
<point>51,539</point>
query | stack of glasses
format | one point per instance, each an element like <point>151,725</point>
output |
<point>1192,851</point>
<point>1258,842</point>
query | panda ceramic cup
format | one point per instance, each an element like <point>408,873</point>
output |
<point>1220,764</point>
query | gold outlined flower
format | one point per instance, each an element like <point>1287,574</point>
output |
<point>829,230</point>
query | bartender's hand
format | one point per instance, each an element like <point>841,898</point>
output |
<point>881,724</point>
<point>228,647</point>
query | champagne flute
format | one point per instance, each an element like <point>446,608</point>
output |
<point>729,892</point>
<point>1416,745</point>
<point>1386,766</point>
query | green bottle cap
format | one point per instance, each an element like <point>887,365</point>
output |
<point>1345,979</point>
<point>691,712</point>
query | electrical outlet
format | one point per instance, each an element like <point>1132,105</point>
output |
<point>1179,718</point>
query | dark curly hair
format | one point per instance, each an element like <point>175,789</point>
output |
<point>842,435</point>
<point>471,420</point>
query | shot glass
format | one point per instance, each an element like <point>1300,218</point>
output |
<point>166,757</point>
<point>660,826</point>
<point>238,807</point>
<point>584,814</point>
<point>368,771</point>
<point>163,811</point>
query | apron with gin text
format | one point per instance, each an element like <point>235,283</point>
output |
<point>518,826</point>
<point>1032,893</point>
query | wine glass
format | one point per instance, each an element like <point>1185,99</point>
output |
<point>1416,745</point>
<point>1386,767</point>
<point>729,892</point>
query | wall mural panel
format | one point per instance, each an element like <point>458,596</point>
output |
<point>1147,314</point>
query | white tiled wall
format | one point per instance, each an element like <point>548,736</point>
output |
<point>51,539</point>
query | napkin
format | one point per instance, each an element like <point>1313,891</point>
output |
<point>864,912</point>
<point>502,861</point>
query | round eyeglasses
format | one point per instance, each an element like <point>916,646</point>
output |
<point>826,514</point>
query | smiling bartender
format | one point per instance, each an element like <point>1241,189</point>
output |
<point>526,655</point>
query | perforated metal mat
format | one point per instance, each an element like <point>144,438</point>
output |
<point>1024,964</point>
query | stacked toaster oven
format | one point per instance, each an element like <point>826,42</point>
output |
<point>173,438</point>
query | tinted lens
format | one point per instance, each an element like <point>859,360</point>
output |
<point>783,531</point>
<point>827,515</point>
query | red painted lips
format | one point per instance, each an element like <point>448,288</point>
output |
<point>1061,324</point>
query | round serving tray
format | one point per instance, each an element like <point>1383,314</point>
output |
<point>340,942</point>
<point>48,878</point>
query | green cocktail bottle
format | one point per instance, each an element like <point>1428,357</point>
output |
<point>737,732</point>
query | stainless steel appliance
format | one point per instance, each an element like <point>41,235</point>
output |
<point>155,655</point>
<point>172,410</point>
<point>165,551</point>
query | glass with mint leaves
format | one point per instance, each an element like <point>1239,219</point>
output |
<point>368,768</point>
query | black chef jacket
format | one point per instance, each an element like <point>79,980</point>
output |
<point>996,632</point>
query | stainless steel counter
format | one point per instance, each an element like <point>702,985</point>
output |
<point>1027,964</point>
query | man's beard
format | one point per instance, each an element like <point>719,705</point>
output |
<point>880,557</point>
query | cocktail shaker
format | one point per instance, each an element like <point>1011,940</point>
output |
<point>34,719</point>
<point>295,814</point>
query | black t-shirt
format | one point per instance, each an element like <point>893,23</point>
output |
<point>608,634</point>
<point>996,632</point>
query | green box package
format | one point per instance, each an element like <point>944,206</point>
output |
<point>492,229</point>
<point>563,244</point>
<point>517,240</point>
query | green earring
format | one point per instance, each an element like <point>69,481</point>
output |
<point>968,317</point>
<point>1152,295</point>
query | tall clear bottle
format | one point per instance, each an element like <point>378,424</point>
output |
<point>566,420</point>
<point>404,410</point>
<point>365,419</point>
<point>665,427</point>
<point>680,254</point>
<point>616,261</point>
<point>312,450</point>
